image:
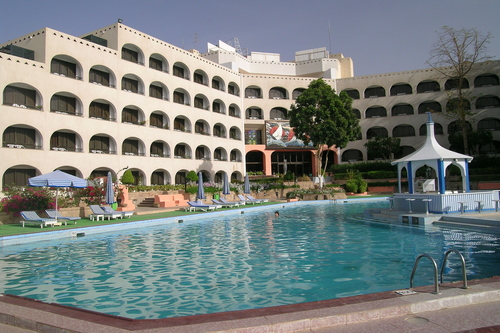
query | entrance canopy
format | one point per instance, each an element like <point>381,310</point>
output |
<point>436,157</point>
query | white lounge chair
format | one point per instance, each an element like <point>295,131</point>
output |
<point>252,198</point>
<point>54,214</point>
<point>232,202</point>
<point>225,204</point>
<point>110,210</point>
<point>32,217</point>
<point>196,205</point>
<point>246,200</point>
<point>97,213</point>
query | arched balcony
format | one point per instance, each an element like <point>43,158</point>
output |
<point>159,148</point>
<point>182,150</point>
<point>132,83</point>
<point>133,53</point>
<point>133,115</point>
<point>66,140</point>
<point>102,76</point>
<point>352,155</point>
<point>234,111</point>
<point>353,93</point>
<point>254,113</point>
<point>253,92</point>
<point>181,96</point>
<point>401,89</point>
<point>235,155</point>
<point>278,113</point>
<point>233,89</point>
<point>182,124</point>
<point>402,131</point>
<point>428,86</point>
<point>23,96</point>
<point>102,110</point>
<point>278,93</point>
<point>402,109</point>
<point>158,62</point>
<point>102,144</point>
<point>235,133</point>
<point>133,147</point>
<point>202,152</point>
<point>377,131</point>
<point>201,102</point>
<point>375,91</point>
<point>453,83</point>
<point>220,154</point>
<point>181,70</point>
<point>66,103</point>
<point>202,127</point>
<point>376,112</point>
<point>486,80</point>
<point>159,119</point>
<point>22,137</point>
<point>219,130</point>
<point>438,129</point>
<point>487,102</point>
<point>200,77</point>
<point>218,106</point>
<point>429,106</point>
<point>66,66</point>
<point>218,83</point>
<point>159,90</point>
<point>297,92</point>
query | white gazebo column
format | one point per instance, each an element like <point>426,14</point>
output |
<point>409,171</point>
<point>466,180</point>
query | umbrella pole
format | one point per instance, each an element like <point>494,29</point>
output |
<point>57,197</point>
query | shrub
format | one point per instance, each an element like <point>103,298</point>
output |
<point>351,186</point>
<point>18,199</point>
<point>128,178</point>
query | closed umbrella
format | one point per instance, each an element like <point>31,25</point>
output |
<point>110,191</point>
<point>246,187</point>
<point>225,188</point>
<point>57,179</point>
<point>201,190</point>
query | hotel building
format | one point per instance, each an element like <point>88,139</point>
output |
<point>116,98</point>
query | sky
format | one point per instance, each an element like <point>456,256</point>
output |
<point>381,36</point>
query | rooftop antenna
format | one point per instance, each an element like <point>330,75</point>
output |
<point>236,44</point>
<point>330,37</point>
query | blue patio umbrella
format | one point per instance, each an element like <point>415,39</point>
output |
<point>110,191</point>
<point>225,186</point>
<point>246,186</point>
<point>201,190</point>
<point>57,179</point>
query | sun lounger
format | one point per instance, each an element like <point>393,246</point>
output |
<point>252,198</point>
<point>246,200</point>
<point>97,213</point>
<point>54,214</point>
<point>225,204</point>
<point>232,202</point>
<point>32,217</point>
<point>196,205</point>
<point>110,210</point>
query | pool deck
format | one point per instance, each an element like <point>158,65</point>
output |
<point>476,309</point>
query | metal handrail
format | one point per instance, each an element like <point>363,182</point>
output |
<point>436,284</point>
<point>464,274</point>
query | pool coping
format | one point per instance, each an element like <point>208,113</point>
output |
<point>39,316</point>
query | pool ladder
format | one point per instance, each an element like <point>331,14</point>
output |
<point>436,284</point>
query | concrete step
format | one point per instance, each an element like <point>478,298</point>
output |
<point>148,202</point>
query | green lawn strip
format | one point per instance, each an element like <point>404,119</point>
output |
<point>17,229</point>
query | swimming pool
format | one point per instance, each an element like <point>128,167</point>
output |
<point>239,261</point>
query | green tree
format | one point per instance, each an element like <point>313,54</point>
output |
<point>192,176</point>
<point>384,147</point>
<point>475,139</point>
<point>454,56</point>
<point>324,118</point>
<point>128,178</point>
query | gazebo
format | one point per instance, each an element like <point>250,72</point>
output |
<point>436,157</point>
<point>422,197</point>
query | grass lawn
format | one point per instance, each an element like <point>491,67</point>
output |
<point>17,229</point>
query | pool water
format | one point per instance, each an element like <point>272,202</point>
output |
<point>241,261</point>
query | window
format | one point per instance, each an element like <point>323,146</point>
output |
<point>376,111</point>
<point>180,151</point>
<point>401,89</point>
<point>427,86</point>
<point>356,113</point>
<point>99,110</point>
<point>278,114</point>
<point>353,93</point>
<point>219,131</point>
<point>155,64</point>
<point>178,71</point>
<point>156,149</point>
<point>130,147</point>
<point>19,137</point>
<point>374,92</point>
<point>63,104</point>
<point>100,144</point>
<point>130,55</point>
<point>489,124</point>
<point>198,78</point>
<point>63,141</point>
<point>198,102</point>
<point>235,156</point>
<point>252,93</point>
<point>199,128</point>
<point>453,84</point>
<point>155,91</point>
<point>234,112</point>
<point>352,155</point>
<point>216,107</point>
<point>429,107</point>
<point>99,77</point>
<point>130,116</point>
<point>297,92</point>
<point>179,97</point>
<point>63,68</point>
<point>179,124</point>
<point>18,177</point>
<point>218,155</point>
<point>277,93</point>
<point>233,134</point>
<point>401,110</point>
<point>456,104</point>
<point>157,178</point>
<point>403,131</point>
<point>19,97</point>
<point>254,113</point>
<point>156,120</point>
<point>487,102</point>
<point>130,85</point>
<point>200,153</point>
<point>376,131</point>
<point>231,90</point>
<point>486,80</point>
